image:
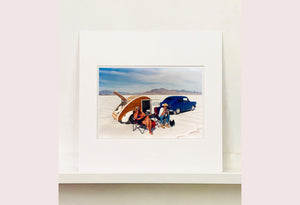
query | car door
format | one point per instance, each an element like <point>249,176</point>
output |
<point>180,104</point>
<point>186,104</point>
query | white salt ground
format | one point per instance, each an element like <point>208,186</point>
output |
<point>187,124</point>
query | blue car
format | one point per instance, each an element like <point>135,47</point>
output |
<point>177,104</point>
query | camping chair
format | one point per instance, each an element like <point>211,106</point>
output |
<point>141,127</point>
<point>156,118</point>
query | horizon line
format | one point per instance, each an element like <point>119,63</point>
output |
<point>153,89</point>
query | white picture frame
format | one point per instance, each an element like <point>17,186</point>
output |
<point>166,48</point>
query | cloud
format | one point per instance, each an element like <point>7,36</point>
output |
<point>173,76</point>
<point>113,72</point>
<point>149,78</point>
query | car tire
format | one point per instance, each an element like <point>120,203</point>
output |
<point>193,108</point>
<point>177,111</point>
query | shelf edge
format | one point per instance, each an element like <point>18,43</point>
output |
<point>93,178</point>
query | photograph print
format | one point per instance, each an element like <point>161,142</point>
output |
<point>150,102</point>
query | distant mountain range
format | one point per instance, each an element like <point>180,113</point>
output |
<point>159,91</point>
<point>110,92</point>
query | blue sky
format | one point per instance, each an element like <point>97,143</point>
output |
<point>144,79</point>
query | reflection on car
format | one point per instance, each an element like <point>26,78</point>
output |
<point>177,104</point>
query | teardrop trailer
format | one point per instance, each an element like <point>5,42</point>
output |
<point>125,109</point>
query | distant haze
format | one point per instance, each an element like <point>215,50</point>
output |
<point>172,80</point>
<point>159,91</point>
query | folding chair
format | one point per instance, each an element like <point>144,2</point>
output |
<point>141,127</point>
<point>156,119</point>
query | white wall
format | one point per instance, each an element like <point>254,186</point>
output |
<point>76,15</point>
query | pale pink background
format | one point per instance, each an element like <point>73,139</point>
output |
<point>28,102</point>
<point>28,108</point>
<point>270,102</point>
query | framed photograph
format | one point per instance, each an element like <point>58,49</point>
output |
<point>150,102</point>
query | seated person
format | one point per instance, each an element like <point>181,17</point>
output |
<point>164,115</point>
<point>142,118</point>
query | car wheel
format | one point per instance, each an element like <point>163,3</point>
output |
<point>177,111</point>
<point>193,107</point>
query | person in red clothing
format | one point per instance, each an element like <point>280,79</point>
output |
<point>142,118</point>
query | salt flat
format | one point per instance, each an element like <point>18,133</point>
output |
<point>187,124</point>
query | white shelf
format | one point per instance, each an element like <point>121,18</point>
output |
<point>93,178</point>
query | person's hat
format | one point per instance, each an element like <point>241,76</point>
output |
<point>137,107</point>
<point>165,105</point>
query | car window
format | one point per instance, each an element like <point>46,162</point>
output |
<point>185,99</point>
<point>169,98</point>
<point>180,100</point>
